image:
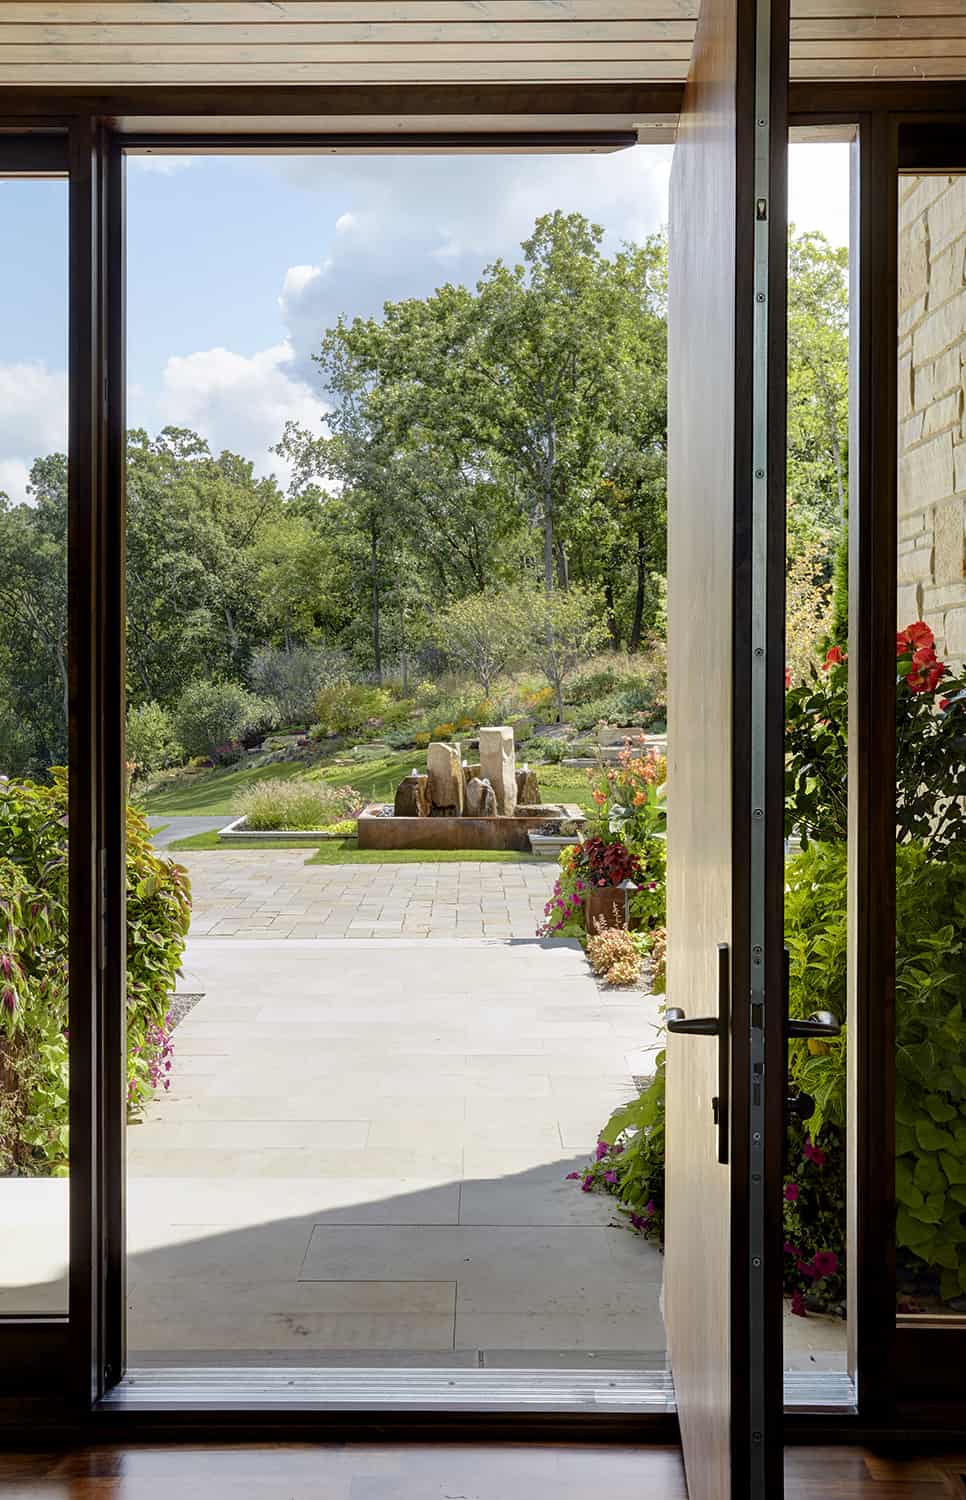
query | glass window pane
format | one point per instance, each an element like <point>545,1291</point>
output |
<point>33,746</point>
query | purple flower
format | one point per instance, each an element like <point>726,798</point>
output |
<point>9,998</point>
<point>798,1305</point>
<point>611,1178</point>
<point>6,965</point>
<point>587,1184</point>
<point>602,1150</point>
<point>826,1262</point>
<point>572,1176</point>
<point>638,1222</point>
<point>789,1248</point>
<point>791,1192</point>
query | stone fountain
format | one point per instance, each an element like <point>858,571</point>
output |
<point>458,805</point>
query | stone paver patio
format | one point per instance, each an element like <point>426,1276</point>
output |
<point>253,893</point>
<point>365,1149</point>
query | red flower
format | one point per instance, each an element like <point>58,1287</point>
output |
<point>788,679</point>
<point>833,657</point>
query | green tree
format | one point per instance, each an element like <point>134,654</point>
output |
<point>566,628</point>
<point>483,633</point>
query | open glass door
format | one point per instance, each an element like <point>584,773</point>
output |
<point>726,992</point>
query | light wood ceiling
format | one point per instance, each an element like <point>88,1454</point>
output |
<point>121,43</point>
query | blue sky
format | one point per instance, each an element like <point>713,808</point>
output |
<point>236,264</point>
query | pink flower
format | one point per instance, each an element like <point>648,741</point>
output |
<point>791,1192</point>
<point>826,1262</point>
<point>9,999</point>
<point>798,1305</point>
<point>814,1154</point>
<point>6,965</point>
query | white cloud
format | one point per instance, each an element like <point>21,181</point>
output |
<point>33,420</point>
<point>163,165</point>
<point>818,189</point>
<point>345,222</point>
<point>238,401</point>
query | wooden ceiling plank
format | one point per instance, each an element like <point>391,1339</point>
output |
<point>837,10</point>
<point>870,70</point>
<point>323,12</point>
<point>51,75</point>
<point>359,54</point>
<point>393,34</point>
<point>878,28</point>
<point>919,47</point>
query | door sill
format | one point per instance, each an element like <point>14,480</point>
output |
<point>332,1388</point>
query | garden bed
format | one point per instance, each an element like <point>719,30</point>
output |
<point>238,831</point>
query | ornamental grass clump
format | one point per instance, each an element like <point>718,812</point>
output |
<point>294,804</point>
<point>614,954</point>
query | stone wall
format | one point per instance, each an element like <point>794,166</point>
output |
<point>932,421</point>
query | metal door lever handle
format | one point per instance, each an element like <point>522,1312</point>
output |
<point>819,1023</point>
<point>699,1026</point>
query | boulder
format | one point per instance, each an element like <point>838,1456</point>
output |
<point>412,798</point>
<point>445,779</point>
<point>527,787</point>
<point>498,766</point>
<point>480,799</point>
<point>469,771</point>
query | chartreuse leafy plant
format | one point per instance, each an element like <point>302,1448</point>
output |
<point>33,971</point>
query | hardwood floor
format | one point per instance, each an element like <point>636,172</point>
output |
<point>443,1472</point>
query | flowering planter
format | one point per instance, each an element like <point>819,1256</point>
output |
<point>603,907</point>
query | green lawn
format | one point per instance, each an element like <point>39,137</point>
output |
<point>347,852</point>
<point>213,792</point>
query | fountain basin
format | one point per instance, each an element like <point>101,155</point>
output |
<point>377,831</point>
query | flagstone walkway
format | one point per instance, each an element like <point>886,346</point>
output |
<point>274,893</point>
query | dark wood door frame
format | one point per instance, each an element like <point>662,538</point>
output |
<point>38,1346</point>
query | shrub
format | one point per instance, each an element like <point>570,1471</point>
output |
<point>150,739</point>
<point>551,751</point>
<point>346,828</point>
<point>930,763</point>
<point>213,716</point>
<point>615,955</point>
<point>33,971</point>
<point>629,1160</point>
<point>343,707</point>
<point>294,803</point>
<point>930,1037</point>
<point>292,678</point>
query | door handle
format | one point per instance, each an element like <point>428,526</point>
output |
<point>719,1026</point>
<point>819,1023</point>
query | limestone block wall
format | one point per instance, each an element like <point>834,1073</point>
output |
<point>932,419</point>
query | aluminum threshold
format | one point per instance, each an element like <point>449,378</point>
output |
<point>221,1388</point>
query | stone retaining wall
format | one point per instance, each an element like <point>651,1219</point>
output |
<point>932,425</point>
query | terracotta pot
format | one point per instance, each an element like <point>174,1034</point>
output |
<point>603,907</point>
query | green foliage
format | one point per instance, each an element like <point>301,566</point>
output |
<point>483,633</point>
<point>552,751</point>
<point>292,676</point>
<point>566,628</point>
<point>629,1161</point>
<point>295,803</point>
<point>930,744</point>
<point>150,739</point>
<point>344,707</point>
<point>209,715</point>
<point>930,1035</point>
<point>33,970</point>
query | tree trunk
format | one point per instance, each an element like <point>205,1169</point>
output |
<point>560,702</point>
<point>376,633</point>
<point>548,536</point>
<point>634,643</point>
<point>563,571</point>
<point>611,611</point>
